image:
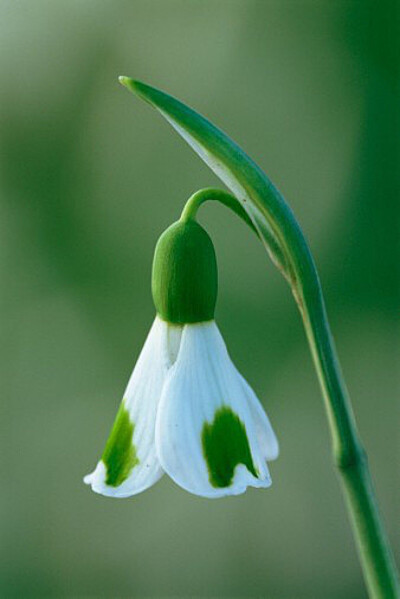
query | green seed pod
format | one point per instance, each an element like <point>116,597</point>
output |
<point>185,278</point>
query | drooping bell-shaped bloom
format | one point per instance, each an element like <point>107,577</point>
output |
<point>186,411</point>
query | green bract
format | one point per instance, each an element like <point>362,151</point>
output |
<point>185,279</point>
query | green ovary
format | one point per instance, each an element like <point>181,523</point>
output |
<point>225,445</point>
<point>119,454</point>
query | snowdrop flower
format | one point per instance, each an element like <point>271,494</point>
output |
<point>186,411</point>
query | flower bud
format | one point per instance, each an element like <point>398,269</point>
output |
<point>185,278</point>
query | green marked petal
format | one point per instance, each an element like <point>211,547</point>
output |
<point>119,455</point>
<point>225,445</point>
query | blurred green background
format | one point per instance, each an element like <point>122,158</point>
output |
<point>90,177</point>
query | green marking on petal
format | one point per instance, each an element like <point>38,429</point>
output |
<point>119,455</point>
<point>225,445</point>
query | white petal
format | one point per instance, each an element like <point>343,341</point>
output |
<point>265,433</point>
<point>136,467</point>
<point>204,392</point>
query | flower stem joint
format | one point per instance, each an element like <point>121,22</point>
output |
<point>186,410</point>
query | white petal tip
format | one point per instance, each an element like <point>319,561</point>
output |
<point>244,479</point>
<point>97,480</point>
<point>272,450</point>
<point>88,479</point>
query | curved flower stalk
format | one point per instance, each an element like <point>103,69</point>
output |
<point>186,410</point>
<point>282,237</point>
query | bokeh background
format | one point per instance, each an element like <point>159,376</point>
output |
<point>90,177</point>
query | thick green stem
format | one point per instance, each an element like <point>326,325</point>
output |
<point>349,455</point>
<point>352,464</point>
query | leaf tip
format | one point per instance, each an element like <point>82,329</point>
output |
<point>131,84</point>
<point>124,80</point>
<point>136,87</point>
